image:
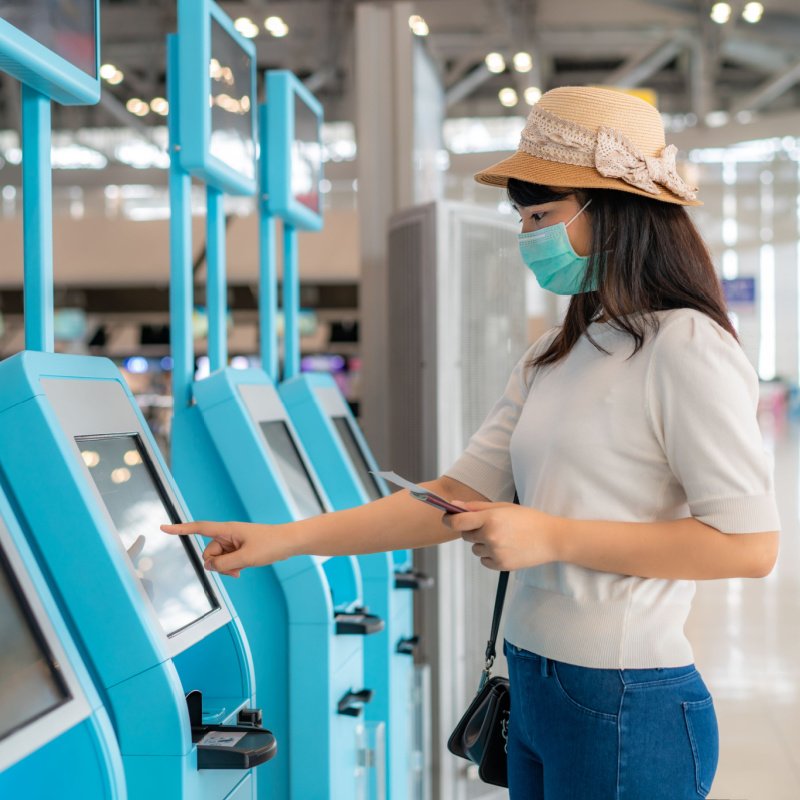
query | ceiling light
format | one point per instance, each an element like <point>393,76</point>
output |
<point>160,106</point>
<point>137,106</point>
<point>246,27</point>
<point>721,13</point>
<point>508,97</point>
<point>532,95</point>
<point>116,78</point>
<point>418,25</point>
<point>276,26</point>
<point>752,12</point>
<point>716,119</point>
<point>523,62</point>
<point>107,71</point>
<point>495,63</point>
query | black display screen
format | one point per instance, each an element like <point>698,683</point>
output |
<point>231,87</point>
<point>357,459</point>
<point>167,566</point>
<point>30,682</point>
<point>306,156</point>
<point>65,27</point>
<point>283,448</point>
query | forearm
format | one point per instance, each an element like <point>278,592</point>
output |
<point>676,549</point>
<point>396,522</point>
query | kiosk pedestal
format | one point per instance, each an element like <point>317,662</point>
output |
<point>152,624</point>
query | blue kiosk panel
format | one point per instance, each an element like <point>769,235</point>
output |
<point>151,623</point>
<point>55,737</point>
<point>291,170</point>
<point>217,114</point>
<point>51,46</point>
<point>236,455</point>
<point>344,463</point>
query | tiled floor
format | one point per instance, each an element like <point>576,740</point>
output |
<point>746,635</point>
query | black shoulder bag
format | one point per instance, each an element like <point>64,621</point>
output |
<point>482,734</point>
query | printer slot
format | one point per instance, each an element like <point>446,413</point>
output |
<point>409,579</point>
<point>352,703</point>
<point>357,623</point>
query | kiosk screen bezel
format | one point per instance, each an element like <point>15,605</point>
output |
<point>278,131</point>
<point>268,425</point>
<point>27,618</point>
<point>173,516</point>
<point>34,63</point>
<point>48,724</point>
<point>344,428</point>
<point>196,19</point>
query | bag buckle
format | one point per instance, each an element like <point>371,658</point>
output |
<point>487,672</point>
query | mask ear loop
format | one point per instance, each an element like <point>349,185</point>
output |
<point>579,213</point>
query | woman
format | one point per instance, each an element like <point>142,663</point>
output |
<point>630,435</point>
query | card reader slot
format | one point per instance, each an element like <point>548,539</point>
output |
<point>409,579</point>
<point>358,623</point>
<point>242,746</point>
<point>352,703</point>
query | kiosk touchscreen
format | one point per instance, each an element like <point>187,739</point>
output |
<point>327,430</point>
<point>55,737</point>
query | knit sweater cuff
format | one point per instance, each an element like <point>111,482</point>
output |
<point>752,514</point>
<point>493,483</point>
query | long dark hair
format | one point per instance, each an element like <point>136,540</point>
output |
<point>655,259</point>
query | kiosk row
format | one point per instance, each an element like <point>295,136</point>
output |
<point>127,669</point>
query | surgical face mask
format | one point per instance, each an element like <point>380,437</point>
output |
<point>548,253</point>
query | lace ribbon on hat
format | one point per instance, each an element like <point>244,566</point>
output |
<point>608,150</point>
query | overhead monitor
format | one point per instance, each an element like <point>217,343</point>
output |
<point>368,481</point>
<point>167,566</point>
<point>217,98</point>
<point>293,470</point>
<point>292,168</point>
<point>31,683</point>
<point>52,45</point>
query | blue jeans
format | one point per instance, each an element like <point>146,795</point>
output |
<point>608,734</point>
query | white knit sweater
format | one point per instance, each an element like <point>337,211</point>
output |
<point>667,434</point>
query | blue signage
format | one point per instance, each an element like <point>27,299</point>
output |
<point>739,291</point>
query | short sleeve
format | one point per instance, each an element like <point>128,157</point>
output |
<point>703,399</point>
<point>485,464</point>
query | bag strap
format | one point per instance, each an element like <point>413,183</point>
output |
<point>499,600</point>
<point>491,653</point>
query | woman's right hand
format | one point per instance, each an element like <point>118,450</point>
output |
<point>237,545</point>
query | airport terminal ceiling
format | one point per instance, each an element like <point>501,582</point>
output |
<point>696,66</point>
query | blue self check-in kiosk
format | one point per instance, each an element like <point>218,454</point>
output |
<point>291,172</point>
<point>158,635</point>
<point>236,455</point>
<point>56,739</point>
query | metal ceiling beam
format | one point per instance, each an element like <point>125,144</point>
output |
<point>771,89</point>
<point>754,54</point>
<point>645,64</point>
<point>467,85</point>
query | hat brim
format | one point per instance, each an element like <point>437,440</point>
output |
<point>525,167</point>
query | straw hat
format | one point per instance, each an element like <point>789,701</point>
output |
<point>581,137</point>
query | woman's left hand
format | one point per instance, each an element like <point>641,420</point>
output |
<point>506,536</point>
